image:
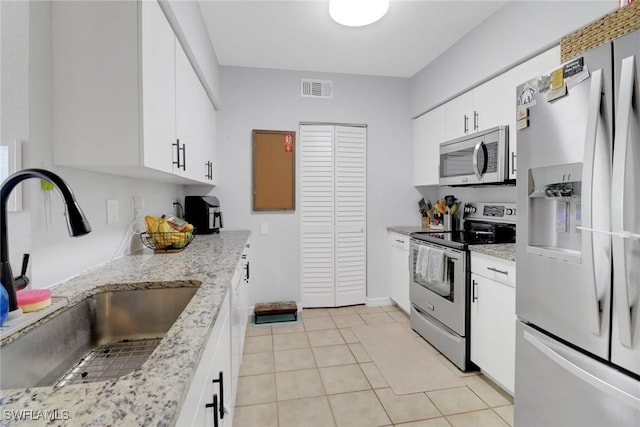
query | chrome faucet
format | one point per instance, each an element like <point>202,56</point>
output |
<point>76,222</point>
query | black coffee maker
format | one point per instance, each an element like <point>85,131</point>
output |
<point>204,213</point>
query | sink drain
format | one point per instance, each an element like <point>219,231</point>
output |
<point>110,361</point>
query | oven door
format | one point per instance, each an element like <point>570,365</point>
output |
<point>442,295</point>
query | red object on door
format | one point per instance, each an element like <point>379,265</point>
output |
<point>288,143</point>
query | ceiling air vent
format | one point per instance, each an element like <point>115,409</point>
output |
<point>317,88</point>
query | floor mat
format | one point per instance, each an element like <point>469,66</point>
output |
<point>408,366</point>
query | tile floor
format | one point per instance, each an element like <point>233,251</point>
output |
<point>316,373</point>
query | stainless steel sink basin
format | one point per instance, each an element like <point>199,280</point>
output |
<point>102,337</point>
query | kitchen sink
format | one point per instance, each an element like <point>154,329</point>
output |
<point>102,337</point>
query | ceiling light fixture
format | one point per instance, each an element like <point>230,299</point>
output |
<point>357,13</point>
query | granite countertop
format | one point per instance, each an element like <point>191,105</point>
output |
<point>152,395</point>
<point>499,250</point>
<point>406,230</point>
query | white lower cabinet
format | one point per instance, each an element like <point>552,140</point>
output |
<point>239,313</point>
<point>398,271</point>
<point>493,318</point>
<point>211,385</point>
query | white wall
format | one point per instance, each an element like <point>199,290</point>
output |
<point>40,229</point>
<point>269,99</point>
<point>515,32</point>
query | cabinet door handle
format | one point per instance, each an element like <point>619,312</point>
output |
<point>177,145</point>
<point>466,124</point>
<point>184,157</point>
<point>513,162</point>
<point>476,121</point>
<point>246,267</point>
<point>214,405</point>
<point>474,294</point>
<point>221,382</point>
<point>400,241</point>
<point>506,273</point>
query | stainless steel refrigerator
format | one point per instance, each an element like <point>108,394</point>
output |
<point>578,242</point>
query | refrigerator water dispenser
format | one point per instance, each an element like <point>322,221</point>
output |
<point>555,211</point>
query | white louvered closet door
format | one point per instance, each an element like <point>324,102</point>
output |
<point>333,212</point>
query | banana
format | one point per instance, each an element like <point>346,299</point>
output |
<point>152,223</point>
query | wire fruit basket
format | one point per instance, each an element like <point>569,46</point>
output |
<point>167,242</point>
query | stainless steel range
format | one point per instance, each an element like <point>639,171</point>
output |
<point>439,287</point>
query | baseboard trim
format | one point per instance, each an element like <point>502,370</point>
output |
<point>374,302</point>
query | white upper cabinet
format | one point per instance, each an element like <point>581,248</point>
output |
<point>486,106</point>
<point>428,133</point>
<point>158,88</point>
<point>123,94</point>
<point>459,116</point>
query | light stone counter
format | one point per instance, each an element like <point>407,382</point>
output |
<point>407,230</point>
<point>152,395</point>
<point>499,250</point>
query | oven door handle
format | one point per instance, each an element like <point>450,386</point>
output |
<point>477,171</point>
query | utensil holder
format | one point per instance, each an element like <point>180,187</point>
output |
<point>449,222</point>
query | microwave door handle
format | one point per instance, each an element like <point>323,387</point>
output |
<point>620,276</point>
<point>591,136</point>
<point>476,166</point>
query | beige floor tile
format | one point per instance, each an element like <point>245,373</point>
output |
<point>407,407</point>
<point>485,418</point>
<point>341,311</point>
<point>456,400</point>
<point>309,313</point>
<point>318,323</point>
<point>400,317</point>
<point>256,389</point>
<point>488,391</point>
<point>265,415</point>
<point>360,353</point>
<point>254,331</point>
<point>326,337</point>
<point>287,329</point>
<point>257,363</point>
<point>298,384</point>
<point>506,413</point>
<point>258,344</point>
<point>434,422</point>
<point>454,369</point>
<point>375,318</point>
<point>333,355</point>
<point>292,360</point>
<point>343,379</point>
<point>348,320</point>
<point>310,412</point>
<point>390,308</point>
<point>348,335</point>
<point>290,341</point>
<point>374,376</point>
<point>361,309</point>
<point>359,409</point>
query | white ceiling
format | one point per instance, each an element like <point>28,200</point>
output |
<point>300,35</point>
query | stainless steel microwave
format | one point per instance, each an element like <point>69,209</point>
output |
<point>479,158</point>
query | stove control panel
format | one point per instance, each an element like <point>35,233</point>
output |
<point>501,212</point>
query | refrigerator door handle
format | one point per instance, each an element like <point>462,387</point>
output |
<point>593,112</point>
<point>553,351</point>
<point>625,98</point>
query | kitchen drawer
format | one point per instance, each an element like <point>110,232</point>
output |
<point>399,240</point>
<point>497,269</point>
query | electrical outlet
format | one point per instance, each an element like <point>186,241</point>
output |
<point>138,206</point>
<point>113,214</point>
<point>264,228</point>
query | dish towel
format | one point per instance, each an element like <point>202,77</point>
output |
<point>436,266</point>
<point>422,261</point>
